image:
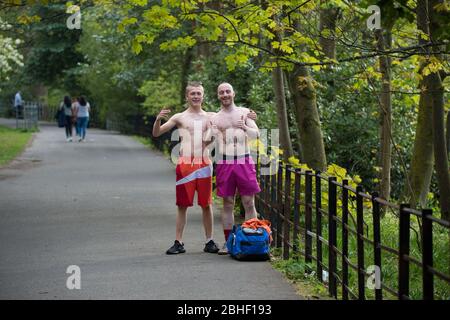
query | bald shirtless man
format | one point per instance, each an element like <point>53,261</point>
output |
<point>235,167</point>
<point>194,168</point>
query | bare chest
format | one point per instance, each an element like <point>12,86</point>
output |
<point>193,124</point>
<point>228,121</point>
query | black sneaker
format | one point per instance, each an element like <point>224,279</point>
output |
<point>176,248</point>
<point>211,247</point>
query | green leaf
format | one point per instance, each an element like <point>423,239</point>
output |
<point>136,46</point>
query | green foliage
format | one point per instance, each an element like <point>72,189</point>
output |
<point>160,93</point>
<point>53,49</point>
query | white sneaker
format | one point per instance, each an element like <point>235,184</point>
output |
<point>224,250</point>
<point>67,139</point>
<point>70,139</point>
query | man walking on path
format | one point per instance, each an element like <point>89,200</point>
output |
<point>18,105</point>
<point>235,168</point>
<point>194,168</point>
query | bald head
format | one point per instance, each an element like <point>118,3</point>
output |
<point>226,94</point>
<point>225,85</point>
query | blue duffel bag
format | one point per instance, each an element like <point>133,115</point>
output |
<point>249,244</point>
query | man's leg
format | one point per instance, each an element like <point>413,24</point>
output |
<point>227,215</point>
<point>208,221</point>
<point>178,246</point>
<point>227,221</point>
<point>180,223</point>
<point>249,205</point>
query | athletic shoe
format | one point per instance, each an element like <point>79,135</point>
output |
<point>211,247</point>
<point>67,139</point>
<point>70,139</point>
<point>223,250</point>
<point>176,248</point>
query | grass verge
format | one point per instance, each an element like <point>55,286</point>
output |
<point>12,143</point>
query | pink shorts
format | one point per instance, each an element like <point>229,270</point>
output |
<point>236,173</point>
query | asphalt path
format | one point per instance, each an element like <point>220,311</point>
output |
<point>107,206</point>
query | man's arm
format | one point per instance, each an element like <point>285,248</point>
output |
<point>252,115</point>
<point>211,129</point>
<point>251,129</point>
<point>159,129</point>
<point>248,125</point>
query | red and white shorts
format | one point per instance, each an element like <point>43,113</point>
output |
<point>194,175</point>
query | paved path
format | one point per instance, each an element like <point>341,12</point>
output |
<point>107,206</point>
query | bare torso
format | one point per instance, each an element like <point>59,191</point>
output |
<point>191,127</point>
<point>232,140</point>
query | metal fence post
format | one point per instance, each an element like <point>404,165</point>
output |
<point>332,239</point>
<point>308,216</point>
<point>280,203</point>
<point>287,212</point>
<point>273,201</point>
<point>377,241</point>
<point>319,225</point>
<point>427,254</point>
<point>360,243</point>
<point>344,240</point>
<point>297,183</point>
<point>403,263</point>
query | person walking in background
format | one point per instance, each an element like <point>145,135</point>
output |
<point>18,105</point>
<point>66,107</point>
<point>82,110</point>
<point>74,115</point>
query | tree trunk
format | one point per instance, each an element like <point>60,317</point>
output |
<point>307,117</point>
<point>283,124</point>
<point>421,169</point>
<point>327,21</point>
<point>440,147</point>
<point>448,133</point>
<point>418,182</point>
<point>280,101</point>
<point>383,43</point>
<point>327,28</point>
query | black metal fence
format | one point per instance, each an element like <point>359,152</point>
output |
<point>305,228</point>
<point>27,115</point>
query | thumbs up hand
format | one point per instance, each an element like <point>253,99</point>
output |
<point>241,123</point>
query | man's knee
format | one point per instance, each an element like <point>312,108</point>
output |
<point>206,209</point>
<point>248,203</point>
<point>228,202</point>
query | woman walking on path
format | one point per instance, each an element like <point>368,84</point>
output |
<point>82,112</point>
<point>66,107</point>
<point>74,115</point>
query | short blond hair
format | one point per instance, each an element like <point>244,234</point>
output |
<point>194,84</point>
